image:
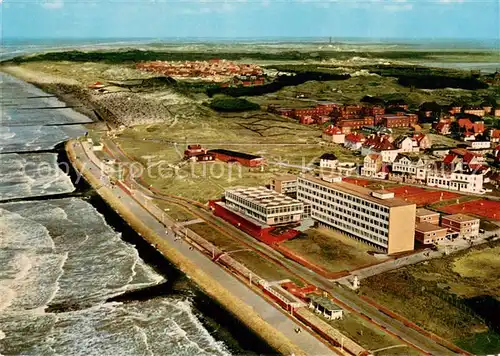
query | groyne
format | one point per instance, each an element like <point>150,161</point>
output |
<point>242,311</point>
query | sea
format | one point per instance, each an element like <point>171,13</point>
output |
<point>74,279</point>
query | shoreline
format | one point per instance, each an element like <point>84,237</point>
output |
<point>227,328</point>
<point>233,305</point>
<point>257,331</point>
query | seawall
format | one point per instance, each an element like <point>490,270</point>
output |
<point>211,287</point>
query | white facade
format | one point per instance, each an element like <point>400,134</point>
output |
<point>460,181</point>
<point>414,168</point>
<point>328,163</point>
<point>264,205</point>
<point>481,144</point>
<point>388,156</point>
<point>408,145</point>
<point>371,165</point>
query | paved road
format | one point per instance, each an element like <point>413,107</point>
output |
<point>306,341</point>
<point>346,296</point>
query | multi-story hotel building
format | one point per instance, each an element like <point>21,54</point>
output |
<point>264,205</point>
<point>374,217</point>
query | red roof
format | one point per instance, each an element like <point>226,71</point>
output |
<point>449,158</point>
<point>495,133</point>
<point>374,156</point>
<point>355,137</point>
<point>332,130</point>
<point>419,137</point>
<point>468,157</point>
<point>380,143</point>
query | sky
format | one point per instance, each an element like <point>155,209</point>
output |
<point>376,19</point>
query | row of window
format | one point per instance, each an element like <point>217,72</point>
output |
<point>358,231</point>
<point>348,201</point>
<point>296,208</point>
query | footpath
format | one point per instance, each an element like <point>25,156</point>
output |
<point>275,327</point>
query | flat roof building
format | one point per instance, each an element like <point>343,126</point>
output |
<point>264,205</point>
<point>466,226</point>
<point>428,233</point>
<point>285,184</point>
<point>374,217</point>
<point>326,307</point>
<point>429,216</point>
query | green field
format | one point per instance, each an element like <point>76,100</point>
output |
<point>440,291</point>
<point>331,250</point>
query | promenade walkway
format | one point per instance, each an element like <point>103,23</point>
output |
<point>305,341</point>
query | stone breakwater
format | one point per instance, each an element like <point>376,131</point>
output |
<point>211,287</point>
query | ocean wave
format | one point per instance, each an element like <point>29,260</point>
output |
<point>24,176</point>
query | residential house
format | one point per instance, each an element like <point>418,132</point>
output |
<point>474,110</point>
<point>404,120</point>
<point>306,120</point>
<point>382,145</point>
<point>354,140</point>
<point>471,125</point>
<point>443,128</point>
<point>423,141</point>
<point>372,165</point>
<point>480,144</point>
<point>408,168</point>
<point>494,136</point>
<point>328,160</point>
<point>333,134</point>
<point>405,144</point>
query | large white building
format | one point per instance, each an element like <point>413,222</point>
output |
<point>460,180</point>
<point>374,217</point>
<point>264,205</point>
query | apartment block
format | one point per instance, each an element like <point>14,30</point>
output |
<point>465,225</point>
<point>264,205</point>
<point>374,217</point>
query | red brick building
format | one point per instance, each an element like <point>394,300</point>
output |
<point>199,153</point>
<point>476,127</point>
<point>234,156</point>
<point>348,125</point>
<point>405,120</point>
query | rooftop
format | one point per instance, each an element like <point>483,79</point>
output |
<point>358,191</point>
<point>328,156</point>
<point>460,218</point>
<point>234,154</point>
<point>428,227</point>
<point>325,302</point>
<point>285,178</point>
<point>262,196</point>
<point>425,212</point>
